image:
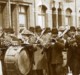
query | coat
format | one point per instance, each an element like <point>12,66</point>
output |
<point>56,56</point>
<point>39,59</point>
<point>73,55</point>
<point>40,56</point>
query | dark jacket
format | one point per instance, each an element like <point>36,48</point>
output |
<point>56,52</point>
<point>73,54</point>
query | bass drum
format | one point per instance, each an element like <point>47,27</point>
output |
<point>17,61</point>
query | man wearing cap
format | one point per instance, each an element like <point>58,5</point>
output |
<point>46,36</point>
<point>78,31</point>
<point>56,58</point>
<point>62,35</point>
<point>38,30</point>
<point>72,53</point>
<point>38,56</point>
<point>32,38</point>
<point>61,30</point>
<point>76,70</point>
<point>7,36</point>
<point>46,41</point>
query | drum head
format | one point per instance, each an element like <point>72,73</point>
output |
<point>24,63</point>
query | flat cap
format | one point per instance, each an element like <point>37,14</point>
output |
<point>72,28</point>
<point>78,29</point>
<point>38,29</point>
<point>54,31</point>
<point>31,29</point>
<point>47,30</point>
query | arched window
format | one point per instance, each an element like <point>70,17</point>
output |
<point>68,18</point>
<point>42,16</point>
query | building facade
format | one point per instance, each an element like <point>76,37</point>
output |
<point>19,14</point>
<point>16,14</point>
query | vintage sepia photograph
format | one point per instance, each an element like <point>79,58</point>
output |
<point>39,37</point>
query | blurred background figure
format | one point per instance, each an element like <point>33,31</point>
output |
<point>32,38</point>
<point>78,31</point>
<point>25,36</point>
<point>72,54</point>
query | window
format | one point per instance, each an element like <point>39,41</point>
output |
<point>41,20</point>
<point>22,16</point>
<point>68,18</point>
<point>42,16</point>
<point>22,20</point>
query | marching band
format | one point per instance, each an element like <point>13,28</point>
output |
<point>41,51</point>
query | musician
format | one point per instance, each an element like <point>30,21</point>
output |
<point>56,58</point>
<point>64,52</point>
<point>7,39</point>
<point>38,30</point>
<point>32,29</point>
<point>25,34</point>
<point>38,56</point>
<point>78,31</point>
<point>61,30</point>
<point>32,38</point>
<point>77,56</point>
<point>46,36</point>
<point>73,48</point>
<point>61,35</point>
<point>46,42</point>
